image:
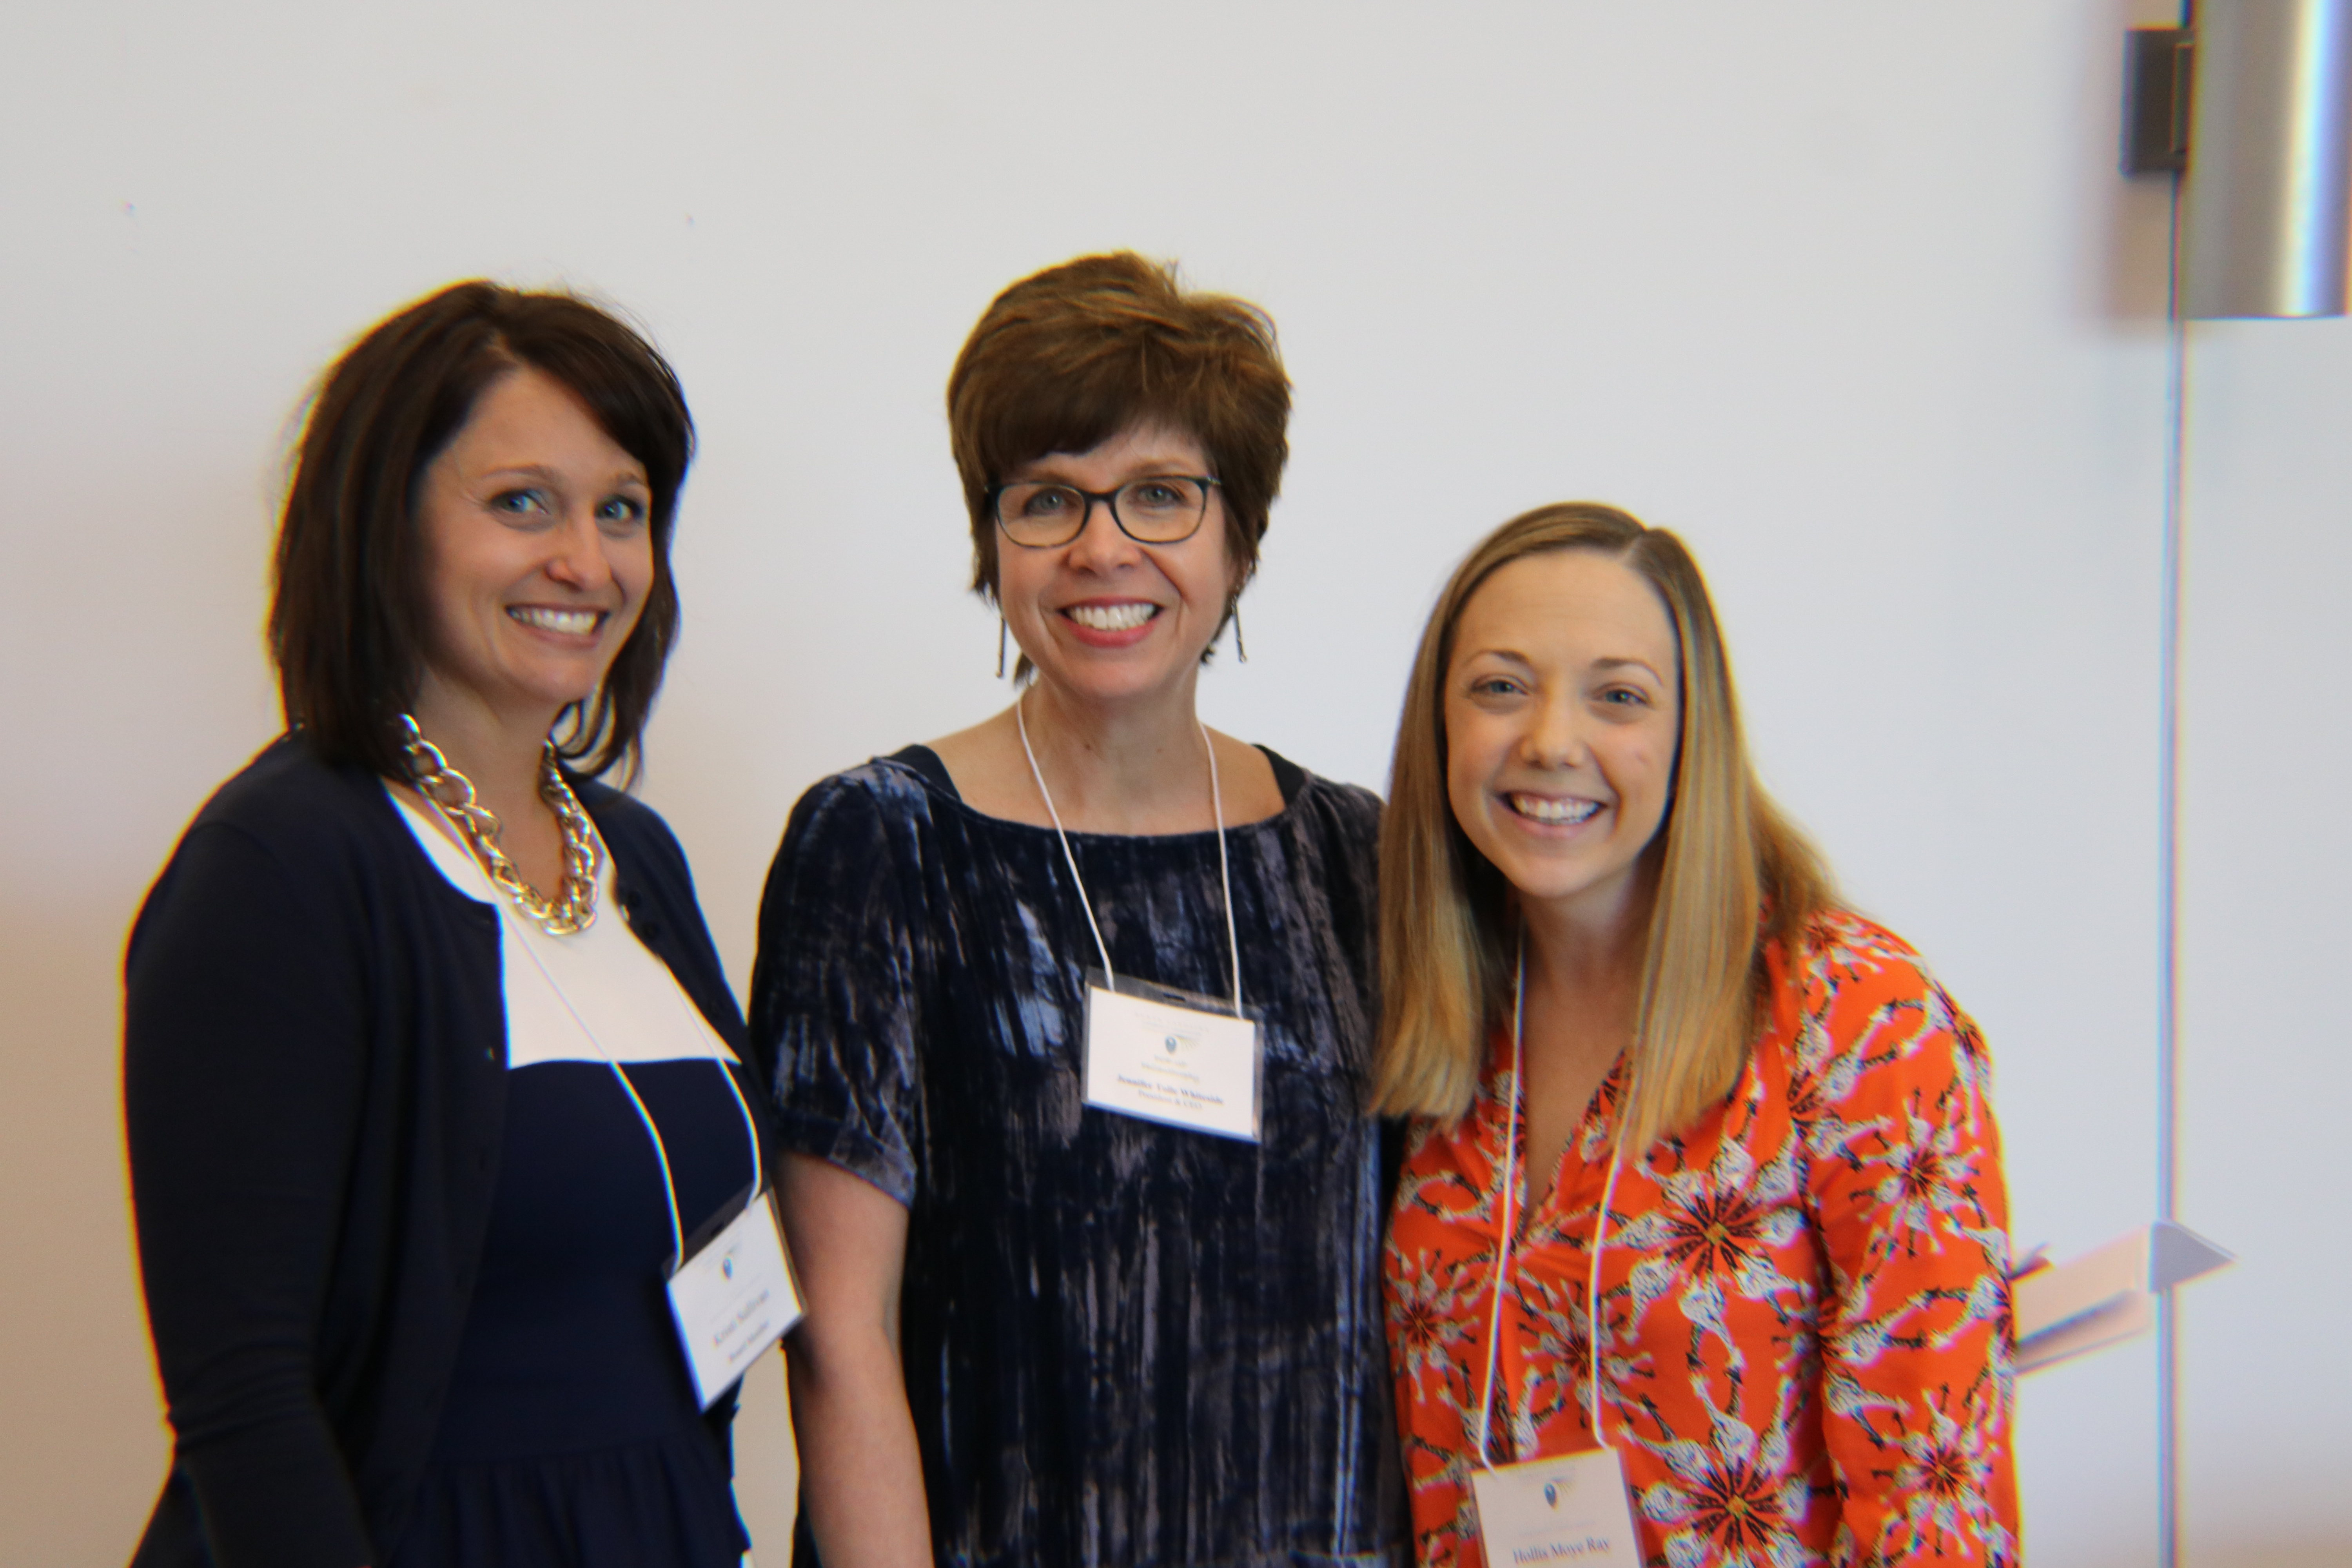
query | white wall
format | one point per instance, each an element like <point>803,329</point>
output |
<point>1846,292</point>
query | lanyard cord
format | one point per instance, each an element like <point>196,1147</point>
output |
<point>1224,862</point>
<point>1510,1184</point>
<point>661,1152</point>
<point>1503,1253</point>
<point>1592,1288</point>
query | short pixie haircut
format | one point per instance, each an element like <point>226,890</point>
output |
<point>1065,359</point>
<point>346,617</point>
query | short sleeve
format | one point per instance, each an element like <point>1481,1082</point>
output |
<point>835,989</point>
<point>1905,1181</point>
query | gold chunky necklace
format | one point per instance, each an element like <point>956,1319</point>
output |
<point>574,909</point>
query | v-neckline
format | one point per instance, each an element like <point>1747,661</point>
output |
<point>1597,1116</point>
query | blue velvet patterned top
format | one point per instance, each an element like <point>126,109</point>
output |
<point>1125,1343</point>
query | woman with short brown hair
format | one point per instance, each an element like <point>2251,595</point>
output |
<point>1702,1205</point>
<point>1072,1013</point>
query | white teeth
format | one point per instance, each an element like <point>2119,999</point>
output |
<point>570,623</point>
<point>1112,617</point>
<point>1536,808</point>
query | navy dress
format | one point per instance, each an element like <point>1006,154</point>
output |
<point>571,1435</point>
<point>1124,1342</point>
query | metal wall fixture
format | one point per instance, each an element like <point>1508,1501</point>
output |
<point>2248,107</point>
<point>2253,100</point>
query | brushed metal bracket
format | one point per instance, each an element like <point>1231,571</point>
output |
<point>2158,64</point>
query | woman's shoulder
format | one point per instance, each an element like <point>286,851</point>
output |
<point>1841,946</point>
<point>855,820</point>
<point>635,831</point>
<point>1866,1005</point>
<point>906,786</point>
<point>1844,962</point>
<point>1350,811</point>
<point>646,856</point>
<point>289,831</point>
<point>290,801</point>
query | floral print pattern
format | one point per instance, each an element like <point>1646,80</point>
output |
<point>1805,1323</point>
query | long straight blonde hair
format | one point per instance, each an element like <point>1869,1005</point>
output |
<point>1732,874</point>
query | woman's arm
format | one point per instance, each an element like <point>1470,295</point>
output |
<point>242,1065</point>
<point>1906,1186</point>
<point>861,1471</point>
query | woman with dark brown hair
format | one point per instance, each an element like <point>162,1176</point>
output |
<point>1072,1013</point>
<point>431,1072</point>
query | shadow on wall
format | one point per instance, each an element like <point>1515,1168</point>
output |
<point>80,1379</point>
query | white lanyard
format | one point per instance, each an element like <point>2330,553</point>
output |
<point>735,1296</point>
<point>661,1152</point>
<point>1503,1253</point>
<point>1225,864</point>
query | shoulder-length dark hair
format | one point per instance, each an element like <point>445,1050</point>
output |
<point>347,610</point>
<point>1734,875</point>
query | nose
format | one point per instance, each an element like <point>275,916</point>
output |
<point>1555,734</point>
<point>578,557</point>
<point>1101,544</point>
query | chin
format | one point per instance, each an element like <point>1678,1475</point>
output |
<point>556,696</point>
<point>1544,880</point>
<point>1104,680</point>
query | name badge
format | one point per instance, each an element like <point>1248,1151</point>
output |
<point>1569,1509</point>
<point>1165,1056</point>
<point>733,1297</point>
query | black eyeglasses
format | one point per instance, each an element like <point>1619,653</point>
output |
<point>1161,509</point>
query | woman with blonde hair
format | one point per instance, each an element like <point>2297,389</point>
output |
<point>1699,1252</point>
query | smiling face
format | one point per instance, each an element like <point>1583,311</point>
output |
<point>1562,726</point>
<point>538,553</point>
<point>1104,618</point>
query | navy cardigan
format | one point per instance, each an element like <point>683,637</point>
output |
<point>314,1083</point>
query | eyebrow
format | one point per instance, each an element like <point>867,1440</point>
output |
<point>1156,465</point>
<point>1612,662</point>
<point>542,471</point>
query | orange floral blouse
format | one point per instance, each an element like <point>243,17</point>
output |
<point>1806,1341</point>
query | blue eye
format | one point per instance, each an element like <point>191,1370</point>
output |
<point>519,503</point>
<point>621,509</point>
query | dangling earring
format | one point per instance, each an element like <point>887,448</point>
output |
<point>1241,649</point>
<point>999,647</point>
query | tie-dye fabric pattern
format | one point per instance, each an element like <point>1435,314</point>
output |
<point>1806,1344</point>
<point>1125,1343</point>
